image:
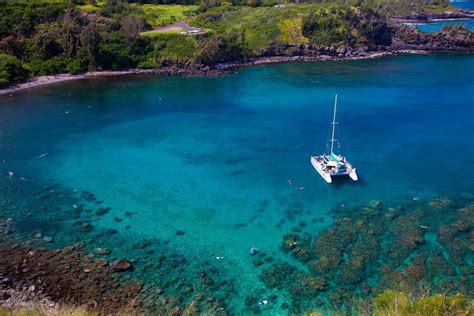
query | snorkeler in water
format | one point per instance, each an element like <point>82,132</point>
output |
<point>217,257</point>
<point>253,251</point>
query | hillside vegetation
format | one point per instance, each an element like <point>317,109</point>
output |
<point>43,37</point>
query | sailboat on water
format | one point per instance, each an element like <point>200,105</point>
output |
<point>332,164</point>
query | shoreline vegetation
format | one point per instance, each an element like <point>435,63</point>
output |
<point>42,42</point>
<point>413,273</point>
<point>189,71</point>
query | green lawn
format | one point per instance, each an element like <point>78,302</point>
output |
<point>161,15</point>
<point>157,33</point>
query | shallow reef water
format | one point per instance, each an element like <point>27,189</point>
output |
<point>416,247</point>
<point>183,176</point>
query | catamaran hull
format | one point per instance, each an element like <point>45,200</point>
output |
<point>353,175</point>
<point>328,177</point>
<point>323,174</point>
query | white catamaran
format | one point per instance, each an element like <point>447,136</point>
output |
<point>332,165</point>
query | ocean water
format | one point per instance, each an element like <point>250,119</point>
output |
<point>197,169</point>
<point>436,26</point>
<point>468,4</point>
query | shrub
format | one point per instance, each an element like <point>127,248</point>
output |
<point>392,302</point>
<point>216,48</point>
<point>325,28</point>
<point>54,65</point>
<point>11,70</point>
<point>175,48</point>
<point>22,18</point>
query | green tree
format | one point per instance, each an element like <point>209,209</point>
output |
<point>46,45</point>
<point>216,48</point>
<point>131,26</point>
<point>70,37</point>
<point>90,39</point>
<point>11,70</point>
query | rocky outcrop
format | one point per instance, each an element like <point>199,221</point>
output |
<point>48,278</point>
<point>450,39</point>
<point>428,16</point>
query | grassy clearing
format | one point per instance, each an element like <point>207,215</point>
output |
<point>175,47</point>
<point>262,27</point>
<point>90,7</point>
<point>157,33</point>
<point>162,15</point>
<point>438,9</point>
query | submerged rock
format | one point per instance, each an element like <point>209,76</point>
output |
<point>102,251</point>
<point>101,262</point>
<point>86,227</point>
<point>68,249</point>
<point>120,265</point>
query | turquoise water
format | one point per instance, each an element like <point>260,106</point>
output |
<point>463,4</point>
<point>436,26</point>
<point>211,157</point>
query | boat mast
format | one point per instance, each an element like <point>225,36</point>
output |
<point>333,125</point>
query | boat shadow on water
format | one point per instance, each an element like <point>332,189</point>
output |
<point>345,181</point>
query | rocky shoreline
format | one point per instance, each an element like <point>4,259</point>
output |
<point>420,17</point>
<point>342,55</point>
<point>36,278</point>
<point>196,71</point>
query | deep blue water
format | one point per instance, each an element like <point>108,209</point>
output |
<point>212,156</point>
<point>468,4</point>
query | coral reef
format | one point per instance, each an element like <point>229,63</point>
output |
<point>373,247</point>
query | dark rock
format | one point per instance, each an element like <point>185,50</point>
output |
<point>102,211</point>
<point>86,227</point>
<point>68,249</point>
<point>120,265</point>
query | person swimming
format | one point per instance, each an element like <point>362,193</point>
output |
<point>217,257</point>
<point>253,251</point>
